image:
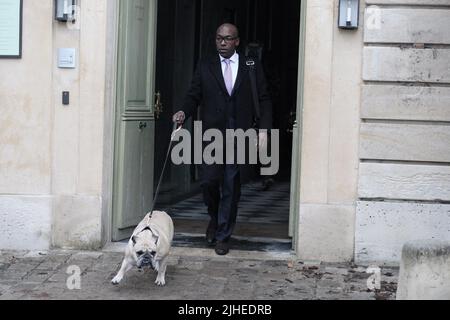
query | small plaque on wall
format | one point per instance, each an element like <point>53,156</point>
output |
<point>11,28</point>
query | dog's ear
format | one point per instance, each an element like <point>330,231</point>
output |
<point>134,239</point>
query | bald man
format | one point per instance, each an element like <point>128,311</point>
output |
<point>221,85</point>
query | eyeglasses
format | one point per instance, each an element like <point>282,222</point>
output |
<point>227,39</point>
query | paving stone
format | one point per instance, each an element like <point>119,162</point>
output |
<point>38,254</point>
<point>193,265</point>
<point>38,276</point>
<point>43,294</point>
<point>249,264</point>
<point>87,255</point>
<point>304,291</point>
<point>27,276</point>
<point>245,271</point>
<point>13,275</point>
<point>13,253</point>
<point>10,295</point>
<point>7,259</point>
<point>234,289</point>
<point>50,265</point>
<point>7,282</point>
<point>330,284</point>
<point>312,263</point>
<point>59,277</point>
<point>335,270</point>
<point>233,295</point>
<point>21,267</point>
<point>4,288</point>
<point>25,287</point>
<point>275,264</point>
<point>361,295</point>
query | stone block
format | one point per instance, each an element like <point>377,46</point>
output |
<point>425,271</point>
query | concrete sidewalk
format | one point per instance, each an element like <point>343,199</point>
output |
<point>193,274</point>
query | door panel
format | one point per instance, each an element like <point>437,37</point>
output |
<point>135,121</point>
<point>136,174</point>
<point>136,49</point>
<point>136,58</point>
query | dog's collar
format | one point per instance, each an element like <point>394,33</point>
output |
<point>146,228</point>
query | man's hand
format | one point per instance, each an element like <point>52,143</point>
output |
<point>262,137</point>
<point>179,117</point>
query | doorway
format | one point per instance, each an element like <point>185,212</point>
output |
<point>185,33</point>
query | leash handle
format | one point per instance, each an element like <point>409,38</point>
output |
<point>175,131</point>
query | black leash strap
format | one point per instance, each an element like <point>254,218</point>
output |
<point>175,129</point>
<point>251,65</point>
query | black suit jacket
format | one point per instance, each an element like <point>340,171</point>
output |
<point>208,90</point>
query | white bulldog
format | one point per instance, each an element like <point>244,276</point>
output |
<point>149,246</point>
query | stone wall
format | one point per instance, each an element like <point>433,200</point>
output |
<point>77,140</point>
<point>25,134</point>
<point>404,171</point>
<point>330,134</point>
<point>51,156</point>
<point>424,271</point>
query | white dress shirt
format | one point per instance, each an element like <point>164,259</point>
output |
<point>234,66</point>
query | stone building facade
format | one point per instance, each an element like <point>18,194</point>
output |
<point>372,154</point>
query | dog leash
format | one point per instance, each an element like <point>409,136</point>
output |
<point>174,132</point>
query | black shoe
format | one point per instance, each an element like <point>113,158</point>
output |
<point>211,233</point>
<point>222,248</point>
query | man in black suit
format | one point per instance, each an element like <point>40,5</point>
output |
<point>222,86</point>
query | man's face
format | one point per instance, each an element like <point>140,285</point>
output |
<point>227,41</point>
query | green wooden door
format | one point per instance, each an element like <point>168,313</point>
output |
<point>135,119</point>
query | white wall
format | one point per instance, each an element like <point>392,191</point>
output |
<point>375,142</point>
<point>404,177</point>
<point>77,140</point>
<point>25,134</point>
<point>51,156</point>
<point>424,271</point>
<point>329,153</point>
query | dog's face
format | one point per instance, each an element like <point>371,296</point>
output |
<point>145,248</point>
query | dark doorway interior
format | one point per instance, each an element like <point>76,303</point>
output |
<point>186,32</point>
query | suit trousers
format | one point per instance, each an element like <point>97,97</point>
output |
<point>222,194</point>
<point>222,198</point>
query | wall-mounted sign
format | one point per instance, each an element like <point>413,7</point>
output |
<point>67,58</point>
<point>10,28</point>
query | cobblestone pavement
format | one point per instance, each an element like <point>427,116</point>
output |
<point>43,276</point>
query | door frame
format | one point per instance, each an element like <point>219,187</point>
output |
<point>111,72</point>
<point>294,211</point>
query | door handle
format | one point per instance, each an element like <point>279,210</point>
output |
<point>158,105</point>
<point>142,125</point>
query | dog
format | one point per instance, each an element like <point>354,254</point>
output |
<point>149,246</point>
